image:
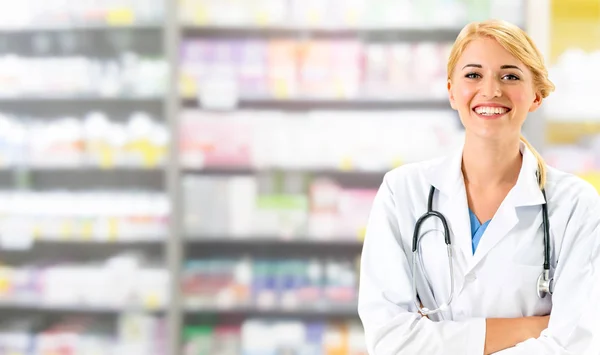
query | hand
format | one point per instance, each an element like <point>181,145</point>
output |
<point>420,311</point>
<point>503,333</point>
<point>534,326</point>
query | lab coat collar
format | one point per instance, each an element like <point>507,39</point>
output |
<point>527,191</point>
<point>445,173</point>
<point>446,176</point>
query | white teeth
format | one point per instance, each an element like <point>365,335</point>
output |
<point>483,110</point>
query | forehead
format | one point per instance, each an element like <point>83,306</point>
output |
<point>488,53</point>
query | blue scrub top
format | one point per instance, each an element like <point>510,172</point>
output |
<point>477,230</point>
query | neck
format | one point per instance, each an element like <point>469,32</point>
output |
<point>490,163</point>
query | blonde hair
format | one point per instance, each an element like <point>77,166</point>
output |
<point>521,46</point>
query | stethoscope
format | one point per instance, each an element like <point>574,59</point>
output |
<point>545,285</point>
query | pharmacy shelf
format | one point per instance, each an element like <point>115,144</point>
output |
<point>61,309</point>
<point>89,241</point>
<point>324,312</point>
<point>198,247</point>
<point>69,99</point>
<point>77,250</point>
<point>79,106</point>
<point>305,104</point>
<point>82,179</point>
<point>233,170</point>
<point>391,34</point>
<point>80,28</point>
<point>346,178</point>
<point>258,241</point>
<point>116,109</point>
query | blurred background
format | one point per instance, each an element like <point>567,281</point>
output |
<point>194,177</point>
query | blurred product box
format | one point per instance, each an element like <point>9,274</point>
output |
<point>48,13</point>
<point>121,282</point>
<point>312,69</point>
<point>347,13</point>
<point>271,337</point>
<point>90,141</point>
<point>127,75</point>
<point>315,140</point>
<point>136,335</point>
<point>270,284</point>
<point>94,216</point>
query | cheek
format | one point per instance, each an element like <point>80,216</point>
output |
<point>520,99</point>
<point>463,95</point>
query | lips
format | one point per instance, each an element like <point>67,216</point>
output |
<point>491,111</point>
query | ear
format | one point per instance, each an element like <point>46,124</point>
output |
<point>537,102</point>
<point>451,95</point>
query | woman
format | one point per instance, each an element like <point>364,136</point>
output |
<point>497,183</point>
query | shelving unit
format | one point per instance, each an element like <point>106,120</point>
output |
<point>303,32</point>
<point>181,247</point>
<point>80,28</point>
<point>66,244</point>
<point>80,179</point>
<point>316,104</point>
<point>26,307</point>
<point>328,312</point>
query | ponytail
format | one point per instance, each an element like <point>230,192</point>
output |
<point>540,161</point>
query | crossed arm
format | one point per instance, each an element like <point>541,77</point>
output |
<point>504,333</point>
<point>393,328</point>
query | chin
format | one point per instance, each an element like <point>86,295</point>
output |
<point>489,133</point>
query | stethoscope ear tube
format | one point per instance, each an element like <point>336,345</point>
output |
<point>423,218</point>
<point>546,232</point>
<point>415,256</point>
<point>545,284</point>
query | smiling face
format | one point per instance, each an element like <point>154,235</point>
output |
<point>492,90</point>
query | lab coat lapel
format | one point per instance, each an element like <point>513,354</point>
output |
<point>501,224</point>
<point>445,175</point>
<point>456,208</point>
<point>526,192</point>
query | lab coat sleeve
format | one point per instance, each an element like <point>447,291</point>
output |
<point>392,325</point>
<point>574,318</point>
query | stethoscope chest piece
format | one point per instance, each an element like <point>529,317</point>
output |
<point>545,285</point>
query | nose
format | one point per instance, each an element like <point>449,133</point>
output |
<point>490,87</point>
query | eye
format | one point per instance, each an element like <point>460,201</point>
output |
<point>511,77</point>
<point>472,76</point>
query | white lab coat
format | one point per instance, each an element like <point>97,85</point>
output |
<point>498,280</point>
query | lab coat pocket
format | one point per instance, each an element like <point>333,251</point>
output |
<point>524,277</point>
<point>521,286</point>
<point>527,242</point>
<point>529,257</point>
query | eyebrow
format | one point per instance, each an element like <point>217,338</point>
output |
<point>506,66</point>
<point>511,67</point>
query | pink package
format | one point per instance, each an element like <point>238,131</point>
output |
<point>376,69</point>
<point>196,56</point>
<point>253,69</point>
<point>223,59</point>
<point>315,76</point>
<point>215,140</point>
<point>346,68</point>
<point>282,64</point>
<point>401,70</point>
<point>353,211</point>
